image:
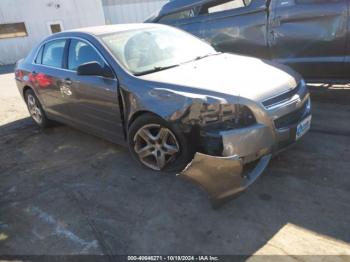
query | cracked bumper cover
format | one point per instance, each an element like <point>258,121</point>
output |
<point>222,177</point>
<point>225,177</point>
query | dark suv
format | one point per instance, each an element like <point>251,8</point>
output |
<point>312,36</point>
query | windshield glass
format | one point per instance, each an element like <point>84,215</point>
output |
<point>148,50</point>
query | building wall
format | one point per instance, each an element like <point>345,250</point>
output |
<point>37,14</point>
<point>130,11</point>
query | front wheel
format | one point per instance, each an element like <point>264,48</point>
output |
<point>158,145</point>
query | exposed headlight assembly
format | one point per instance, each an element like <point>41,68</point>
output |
<point>237,115</point>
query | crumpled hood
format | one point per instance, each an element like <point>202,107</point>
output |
<point>230,74</point>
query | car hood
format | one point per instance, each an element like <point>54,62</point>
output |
<point>230,74</point>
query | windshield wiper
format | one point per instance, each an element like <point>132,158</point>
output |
<point>155,69</point>
<point>160,68</point>
<point>203,56</point>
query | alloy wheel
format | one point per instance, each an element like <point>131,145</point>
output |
<point>34,109</point>
<point>156,146</point>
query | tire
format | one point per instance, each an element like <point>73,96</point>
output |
<point>35,109</point>
<point>169,144</point>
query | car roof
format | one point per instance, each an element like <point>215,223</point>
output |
<point>175,5</point>
<point>109,29</point>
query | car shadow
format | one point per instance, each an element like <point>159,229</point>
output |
<point>66,192</point>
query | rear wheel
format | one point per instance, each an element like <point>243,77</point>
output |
<point>158,145</point>
<point>35,109</point>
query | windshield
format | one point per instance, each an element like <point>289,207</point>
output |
<point>148,50</point>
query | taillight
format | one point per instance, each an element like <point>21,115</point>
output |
<point>19,74</point>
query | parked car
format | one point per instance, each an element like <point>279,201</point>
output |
<point>311,36</point>
<point>166,95</point>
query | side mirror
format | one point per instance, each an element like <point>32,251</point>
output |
<point>94,69</point>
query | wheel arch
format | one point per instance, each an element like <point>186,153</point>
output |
<point>138,114</point>
<point>26,88</point>
<point>185,152</point>
<point>128,112</point>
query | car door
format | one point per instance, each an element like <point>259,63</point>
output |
<point>186,19</point>
<point>93,99</point>
<point>47,77</point>
<point>309,35</point>
<point>236,26</point>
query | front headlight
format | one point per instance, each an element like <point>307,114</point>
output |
<point>235,115</point>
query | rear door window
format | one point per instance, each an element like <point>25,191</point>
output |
<point>184,14</point>
<point>221,6</point>
<point>53,53</point>
<point>80,53</point>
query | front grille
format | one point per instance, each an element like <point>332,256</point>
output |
<point>292,118</point>
<point>281,98</point>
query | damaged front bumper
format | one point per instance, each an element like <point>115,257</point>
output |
<point>222,177</point>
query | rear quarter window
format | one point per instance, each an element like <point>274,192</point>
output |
<point>39,56</point>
